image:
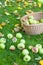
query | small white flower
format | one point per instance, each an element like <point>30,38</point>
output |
<point>25,52</point>
<point>14,39</point>
<point>41,51</point>
<point>19,35</point>
<point>2,40</point>
<point>2,46</point>
<point>27,58</point>
<point>22,41</point>
<point>9,35</point>
<point>21,46</point>
<point>12,48</point>
<point>39,46</point>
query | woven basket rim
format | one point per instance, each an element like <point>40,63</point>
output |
<point>32,24</point>
<point>31,13</point>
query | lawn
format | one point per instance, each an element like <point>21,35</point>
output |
<point>15,10</point>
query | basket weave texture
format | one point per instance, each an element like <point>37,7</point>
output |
<point>33,29</point>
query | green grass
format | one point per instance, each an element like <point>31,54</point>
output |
<point>8,57</point>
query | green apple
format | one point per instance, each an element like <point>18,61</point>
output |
<point>12,48</point>
<point>31,17</point>
<point>39,46</point>
<point>9,35</point>
<point>20,46</point>
<point>22,41</point>
<point>41,20</point>
<point>25,52</point>
<point>14,39</point>
<point>33,21</point>
<point>2,46</point>
<point>41,51</point>
<point>2,40</point>
<point>27,58</point>
<point>19,35</point>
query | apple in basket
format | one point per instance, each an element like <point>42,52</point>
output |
<point>27,22</point>
<point>31,21</point>
<point>31,17</point>
<point>41,20</point>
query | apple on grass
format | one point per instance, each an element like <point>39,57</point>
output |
<point>39,46</point>
<point>41,51</point>
<point>35,49</point>
<point>19,35</point>
<point>25,52</point>
<point>2,46</point>
<point>20,46</point>
<point>2,40</point>
<point>27,58</point>
<point>22,41</point>
<point>14,39</point>
<point>9,35</point>
<point>12,48</point>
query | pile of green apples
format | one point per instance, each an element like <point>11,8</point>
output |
<point>31,20</point>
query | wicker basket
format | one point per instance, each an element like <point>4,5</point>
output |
<point>33,29</point>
